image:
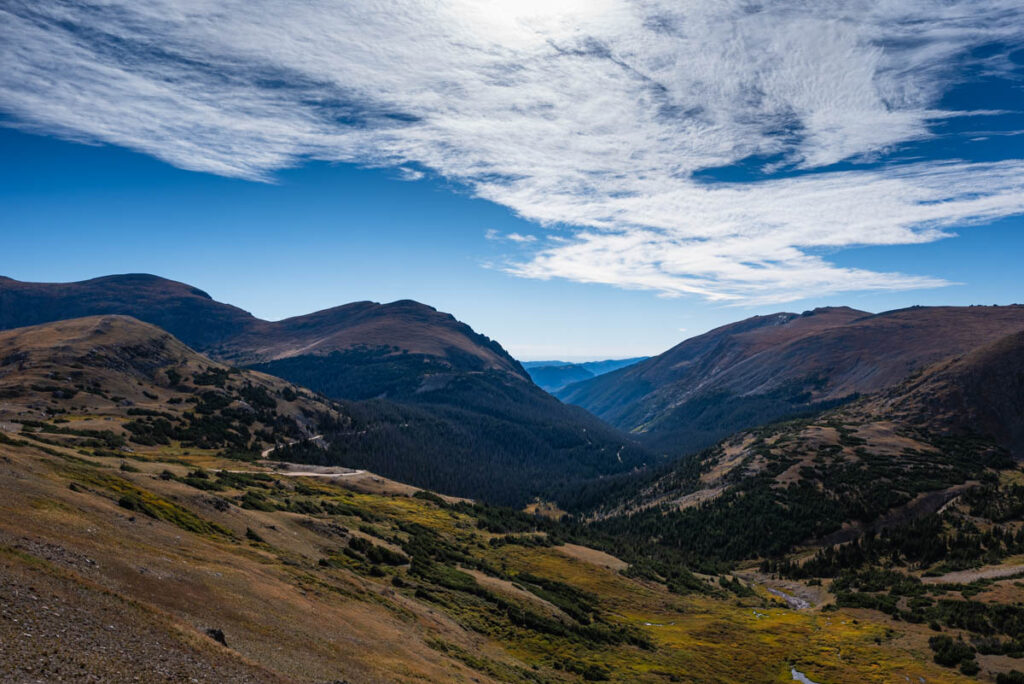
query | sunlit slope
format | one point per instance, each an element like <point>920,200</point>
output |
<point>311,579</point>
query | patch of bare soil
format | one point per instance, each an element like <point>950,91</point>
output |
<point>593,556</point>
<point>502,586</point>
<point>968,576</point>
<point>696,498</point>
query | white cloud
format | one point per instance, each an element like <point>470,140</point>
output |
<point>589,113</point>
<point>518,237</point>
<point>407,174</point>
<point>493,234</point>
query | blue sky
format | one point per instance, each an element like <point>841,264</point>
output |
<point>587,181</point>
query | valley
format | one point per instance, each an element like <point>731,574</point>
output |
<point>528,342</point>
<point>425,398</point>
<point>210,509</point>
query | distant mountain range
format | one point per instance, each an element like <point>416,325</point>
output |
<point>433,402</point>
<point>554,375</point>
<point>772,367</point>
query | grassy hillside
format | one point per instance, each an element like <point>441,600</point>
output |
<point>167,565</point>
<point>150,388</point>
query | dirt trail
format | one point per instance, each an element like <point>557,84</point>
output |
<point>303,473</point>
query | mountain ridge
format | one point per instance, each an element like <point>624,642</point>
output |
<point>232,334</point>
<point>438,404</point>
<point>554,375</point>
<point>768,367</point>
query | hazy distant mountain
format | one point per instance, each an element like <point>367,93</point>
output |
<point>554,375</point>
<point>450,409</point>
<point>768,367</point>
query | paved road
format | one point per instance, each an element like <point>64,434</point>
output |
<point>297,473</point>
<point>303,473</point>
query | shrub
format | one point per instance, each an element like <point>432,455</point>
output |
<point>950,652</point>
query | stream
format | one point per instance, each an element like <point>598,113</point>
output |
<point>799,676</point>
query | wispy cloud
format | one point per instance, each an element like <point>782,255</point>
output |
<point>497,235</point>
<point>407,174</point>
<point>595,114</point>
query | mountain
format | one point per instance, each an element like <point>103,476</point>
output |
<point>141,525</point>
<point>914,444</point>
<point>906,503</point>
<point>138,542</point>
<point>230,334</point>
<point>162,393</point>
<point>554,375</point>
<point>437,404</point>
<point>769,367</point>
<point>980,393</point>
<point>186,312</point>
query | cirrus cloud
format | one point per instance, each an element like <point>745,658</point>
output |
<point>594,117</point>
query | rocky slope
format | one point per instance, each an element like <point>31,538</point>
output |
<point>980,393</point>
